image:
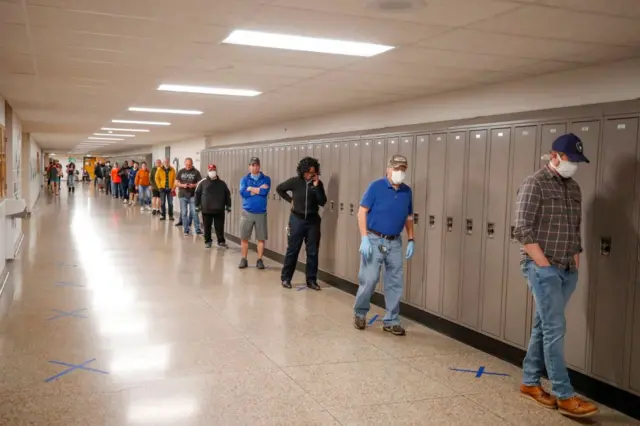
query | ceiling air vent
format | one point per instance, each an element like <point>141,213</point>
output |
<point>395,5</point>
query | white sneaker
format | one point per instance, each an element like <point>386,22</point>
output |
<point>141,209</point>
<point>124,201</point>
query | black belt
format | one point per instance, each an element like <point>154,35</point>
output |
<point>386,237</point>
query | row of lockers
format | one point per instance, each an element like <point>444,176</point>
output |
<point>466,267</point>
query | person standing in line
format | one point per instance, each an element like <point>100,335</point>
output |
<point>143,182</point>
<point>155,193</point>
<point>71,177</point>
<point>254,190</point>
<point>54,175</point>
<point>386,208</point>
<point>166,182</point>
<point>124,181</point>
<point>116,181</point>
<point>307,196</point>
<point>186,180</point>
<point>133,188</point>
<point>548,222</point>
<point>97,172</point>
<point>107,177</point>
<point>213,198</point>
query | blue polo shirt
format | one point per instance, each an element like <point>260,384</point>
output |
<point>388,208</point>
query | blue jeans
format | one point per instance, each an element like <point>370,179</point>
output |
<point>166,201</point>
<point>115,189</point>
<point>552,288</point>
<point>188,213</point>
<point>144,195</point>
<point>369,276</point>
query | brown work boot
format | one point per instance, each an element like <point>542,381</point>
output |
<point>538,394</point>
<point>577,407</point>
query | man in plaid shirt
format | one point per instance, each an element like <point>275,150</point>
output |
<point>548,216</point>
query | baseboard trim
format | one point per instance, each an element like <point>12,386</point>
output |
<point>18,245</point>
<point>4,277</point>
<point>604,393</point>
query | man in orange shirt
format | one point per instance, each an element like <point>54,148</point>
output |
<point>115,180</point>
<point>143,183</point>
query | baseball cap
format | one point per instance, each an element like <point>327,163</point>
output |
<point>212,167</point>
<point>398,161</point>
<point>254,160</point>
<point>571,145</point>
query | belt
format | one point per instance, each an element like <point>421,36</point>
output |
<point>386,237</point>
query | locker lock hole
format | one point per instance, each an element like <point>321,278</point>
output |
<point>432,221</point>
<point>469,227</point>
<point>341,207</point>
<point>513,233</point>
<point>449,224</point>
<point>332,205</point>
<point>351,209</point>
<point>491,229</point>
<point>415,218</point>
<point>605,246</point>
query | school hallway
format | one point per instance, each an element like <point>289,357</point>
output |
<point>111,317</point>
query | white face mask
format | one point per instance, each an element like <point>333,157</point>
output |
<point>397,177</point>
<point>213,174</point>
<point>566,169</point>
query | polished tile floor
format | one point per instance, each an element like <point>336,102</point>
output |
<point>111,317</point>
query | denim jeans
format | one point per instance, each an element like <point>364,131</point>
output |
<point>552,288</point>
<point>188,213</point>
<point>144,195</point>
<point>71,181</point>
<point>124,190</point>
<point>166,198</point>
<point>369,276</point>
<point>115,189</point>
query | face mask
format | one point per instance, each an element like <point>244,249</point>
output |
<point>397,177</point>
<point>566,169</point>
<point>213,174</point>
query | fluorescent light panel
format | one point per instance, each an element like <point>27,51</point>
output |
<point>113,135</point>
<point>166,111</point>
<point>104,139</point>
<point>307,44</point>
<point>150,123</point>
<point>207,90</point>
<point>114,129</point>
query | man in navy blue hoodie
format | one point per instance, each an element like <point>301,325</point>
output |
<point>254,190</point>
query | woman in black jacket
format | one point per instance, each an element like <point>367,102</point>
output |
<point>307,196</point>
<point>213,198</point>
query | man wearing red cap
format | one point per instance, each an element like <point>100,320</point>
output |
<point>213,198</point>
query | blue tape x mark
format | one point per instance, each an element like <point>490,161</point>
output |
<point>64,283</point>
<point>302,287</point>
<point>67,314</point>
<point>73,367</point>
<point>479,372</point>
<point>374,319</point>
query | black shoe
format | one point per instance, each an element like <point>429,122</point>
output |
<point>396,330</point>
<point>153,212</point>
<point>243,263</point>
<point>178,223</point>
<point>360,322</point>
<point>223,245</point>
<point>260,264</point>
<point>171,218</point>
<point>207,245</point>
<point>163,218</point>
<point>313,285</point>
<point>286,284</point>
<point>199,232</point>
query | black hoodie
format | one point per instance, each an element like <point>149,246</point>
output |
<point>212,195</point>
<point>306,198</point>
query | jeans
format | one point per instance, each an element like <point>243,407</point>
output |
<point>307,231</point>
<point>71,181</point>
<point>107,186</point>
<point>217,221</point>
<point>389,254</point>
<point>124,189</point>
<point>166,198</point>
<point>145,195</point>
<point>552,288</point>
<point>188,213</point>
<point>115,188</point>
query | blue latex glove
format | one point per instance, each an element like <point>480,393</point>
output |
<point>410,250</point>
<point>365,248</point>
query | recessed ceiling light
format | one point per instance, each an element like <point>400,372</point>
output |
<point>208,90</point>
<point>150,123</point>
<point>125,130</point>
<point>114,135</point>
<point>104,139</point>
<point>166,111</point>
<point>307,44</point>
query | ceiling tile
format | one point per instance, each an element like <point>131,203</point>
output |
<point>623,8</point>
<point>559,24</point>
<point>13,37</point>
<point>11,13</point>
<point>15,63</point>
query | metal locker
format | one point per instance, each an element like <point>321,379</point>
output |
<point>455,163</point>
<point>279,229</point>
<point>366,173</point>
<point>406,147</point>
<point>417,284</point>
<point>634,372</point>
<point>435,221</point>
<point>576,312</point>
<point>615,235</point>
<point>496,228</point>
<point>474,229</point>
<point>523,164</point>
<point>235,154</point>
<point>332,151</point>
<point>242,162</point>
<point>327,243</point>
<point>268,159</point>
<point>232,185</point>
<point>352,233</point>
<point>274,234</point>
<point>344,198</point>
<point>379,162</point>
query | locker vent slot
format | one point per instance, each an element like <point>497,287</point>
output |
<point>449,224</point>
<point>432,221</point>
<point>605,246</point>
<point>469,228</point>
<point>491,229</point>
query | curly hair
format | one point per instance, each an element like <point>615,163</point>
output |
<point>305,164</point>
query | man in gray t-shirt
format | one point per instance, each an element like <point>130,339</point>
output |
<point>186,181</point>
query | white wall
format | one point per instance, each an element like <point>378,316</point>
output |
<point>3,226</point>
<point>31,172</point>
<point>2,112</point>
<point>589,85</point>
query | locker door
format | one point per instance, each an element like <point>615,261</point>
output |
<point>496,230</point>
<point>236,168</point>
<point>435,221</point>
<point>474,230</point>
<point>615,236</point>
<point>274,232</point>
<point>352,233</point>
<point>455,160</point>
<point>406,146</point>
<point>343,210</point>
<point>334,200</point>
<point>267,153</point>
<point>417,284</point>
<point>576,311</point>
<point>226,164</point>
<point>550,132</point>
<point>365,179</point>
<point>378,170</point>
<point>524,163</point>
<point>322,153</point>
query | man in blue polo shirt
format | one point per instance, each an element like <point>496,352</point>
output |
<point>386,208</point>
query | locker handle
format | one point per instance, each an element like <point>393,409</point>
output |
<point>432,221</point>
<point>491,229</point>
<point>415,218</point>
<point>449,224</point>
<point>469,226</point>
<point>605,246</point>
<point>341,207</point>
<point>351,209</point>
<point>331,203</point>
<point>513,233</point>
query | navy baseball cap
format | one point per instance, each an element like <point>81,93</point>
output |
<point>571,145</point>
<point>254,160</point>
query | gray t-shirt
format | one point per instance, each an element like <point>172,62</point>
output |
<point>188,176</point>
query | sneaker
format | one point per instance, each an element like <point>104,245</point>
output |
<point>243,263</point>
<point>207,245</point>
<point>186,233</point>
<point>163,218</point>
<point>360,322</point>
<point>260,264</point>
<point>124,201</point>
<point>313,285</point>
<point>199,232</point>
<point>396,330</point>
<point>154,212</point>
<point>171,218</point>
<point>577,407</point>
<point>141,209</point>
<point>538,394</point>
<point>286,284</point>
<point>179,223</point>
<point>223,245</point>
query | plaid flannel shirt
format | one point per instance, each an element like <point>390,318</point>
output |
<point>548,212</point>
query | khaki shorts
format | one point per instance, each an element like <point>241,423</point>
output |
<point>249,221</point>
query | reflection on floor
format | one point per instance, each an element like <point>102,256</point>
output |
<point>117,319</point>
